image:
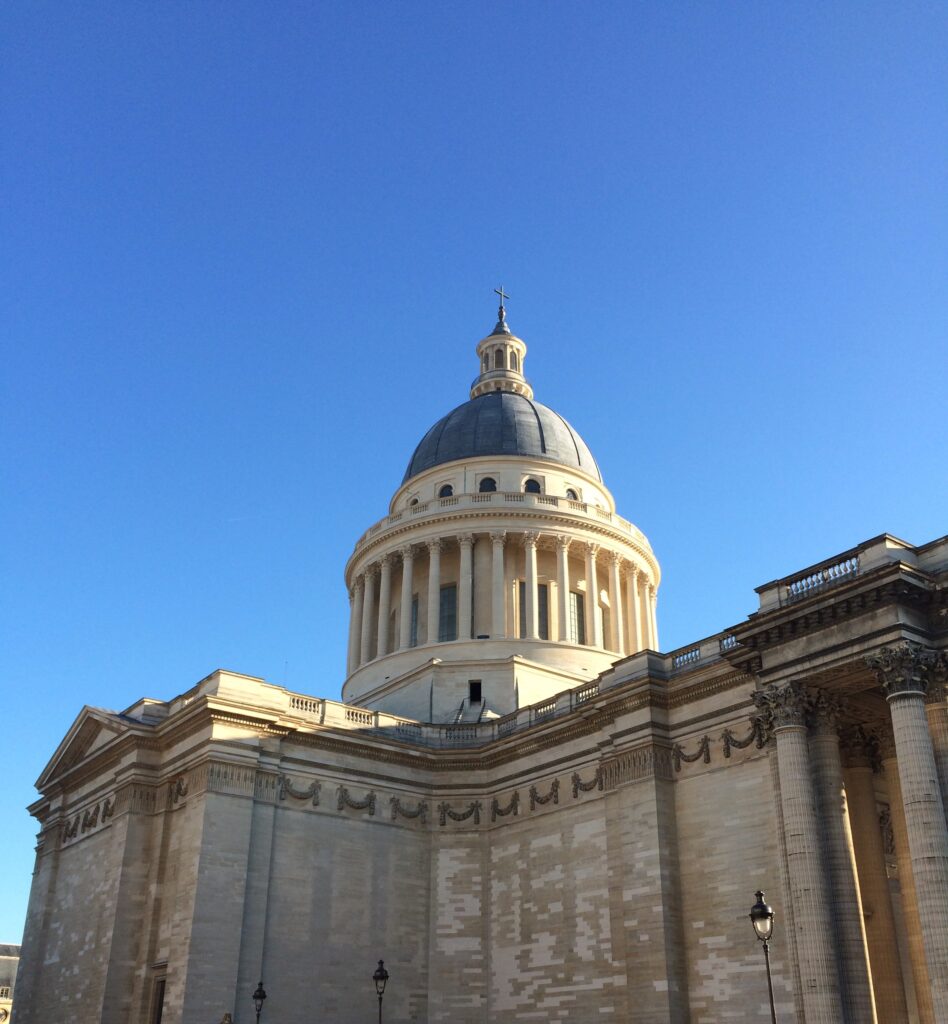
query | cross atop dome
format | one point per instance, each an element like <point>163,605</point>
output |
<point>501,325</point>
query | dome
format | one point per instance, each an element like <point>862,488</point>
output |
<point>502,423</point>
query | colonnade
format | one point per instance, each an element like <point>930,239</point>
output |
<point>415,569</point>
<point>839,895</point>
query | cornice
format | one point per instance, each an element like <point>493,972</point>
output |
<point>491,517</point>
<point>895,583</point>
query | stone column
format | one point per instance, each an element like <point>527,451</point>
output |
<point>531,617</point>
<point>466,588</point>
<point>385,605</point>
<point>644,616</point>
<point>368,615</point>
<point>562,586</point>
<point>653,616</point>
<point>617,630</point>
<point>840,864</point>
<point>350,646</point>
<point>498,626</point>
<point>356,624</point>
<point>593,631</point>
<point>936,707</point>
<point>635,622</point>
<point>786,704</point>
<point>434,590</point>
<point>859,753</point>
<point>905,672</point>
<point>913,928</point>
<point>408,573</point>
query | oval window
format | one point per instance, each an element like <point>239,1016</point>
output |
<point>571,494</point>
<point>446,492</point>
<point>531,486</point>
<point>487,485</point>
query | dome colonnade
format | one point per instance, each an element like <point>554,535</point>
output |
<point>557,581</point>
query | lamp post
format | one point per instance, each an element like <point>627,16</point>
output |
<point>762,918</point>
<point>380,977</point>
<point>258,998</point>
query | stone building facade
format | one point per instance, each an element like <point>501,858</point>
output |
<point>522,805</point>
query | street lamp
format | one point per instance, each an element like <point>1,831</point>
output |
<point>380,977</point>
<point>762,918</point>
<point>258,998</point>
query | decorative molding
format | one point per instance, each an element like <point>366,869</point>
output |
<point>642,762</point>
<point>905,668</point>
<point>286,788</point>
<point>136,798</point>
<point>703,752</point>
<point>824,708</point>
<point>177,790</point>
<point>226,777</point>
<point>860,747</point>
<point>473,811</point>
<point>587,787</point>
<point>553,795</point>
<point>758,734</point>
<point>343,800</point>
<point>513,807</point>
<point>419,811</point>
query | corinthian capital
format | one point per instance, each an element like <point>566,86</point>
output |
<point>783,705</point>
<point>904,668</point>
<point>824,708</point>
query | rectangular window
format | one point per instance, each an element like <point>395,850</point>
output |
<point>158,1001</point>
<point>577,618</point>
<point>474,691</point>
<point>543,610</point>
<point>413,635</point>
<point>448,618</point>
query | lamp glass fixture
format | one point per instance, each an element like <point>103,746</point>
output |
<point>762,918</point>
<point>258,997</point>
<point>380,977</point>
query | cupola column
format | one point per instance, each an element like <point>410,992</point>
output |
<point>434,590</point>
<point>531,618</point>
<point>385,605</point>
<point>368,613</point>
<point>408,572</point>
<point>653,616</point>
<point>498,628</point>
<point>615,600</point>
<point>635,620</point>
<point>466,589</point>
<point>644,617</point>
<point>593,620</point>
<point>355,623</point>
<point>562,586</point>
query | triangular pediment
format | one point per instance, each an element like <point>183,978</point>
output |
<point>93,729</point>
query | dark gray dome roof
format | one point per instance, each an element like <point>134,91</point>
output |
<point>501,423</point>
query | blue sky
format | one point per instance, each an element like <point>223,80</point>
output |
<point>249,249</point>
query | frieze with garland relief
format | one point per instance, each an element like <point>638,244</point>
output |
<point>553,796</point>
<point>419,811</point>
<point>343,800</point>
<point>286,788</point>
<point>513,807</point>
<point>89,820</point>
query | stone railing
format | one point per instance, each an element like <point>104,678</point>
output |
<point>702,653</point>
<point>820,577</point>
<point>469,734</point>
<point>503,499</point>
